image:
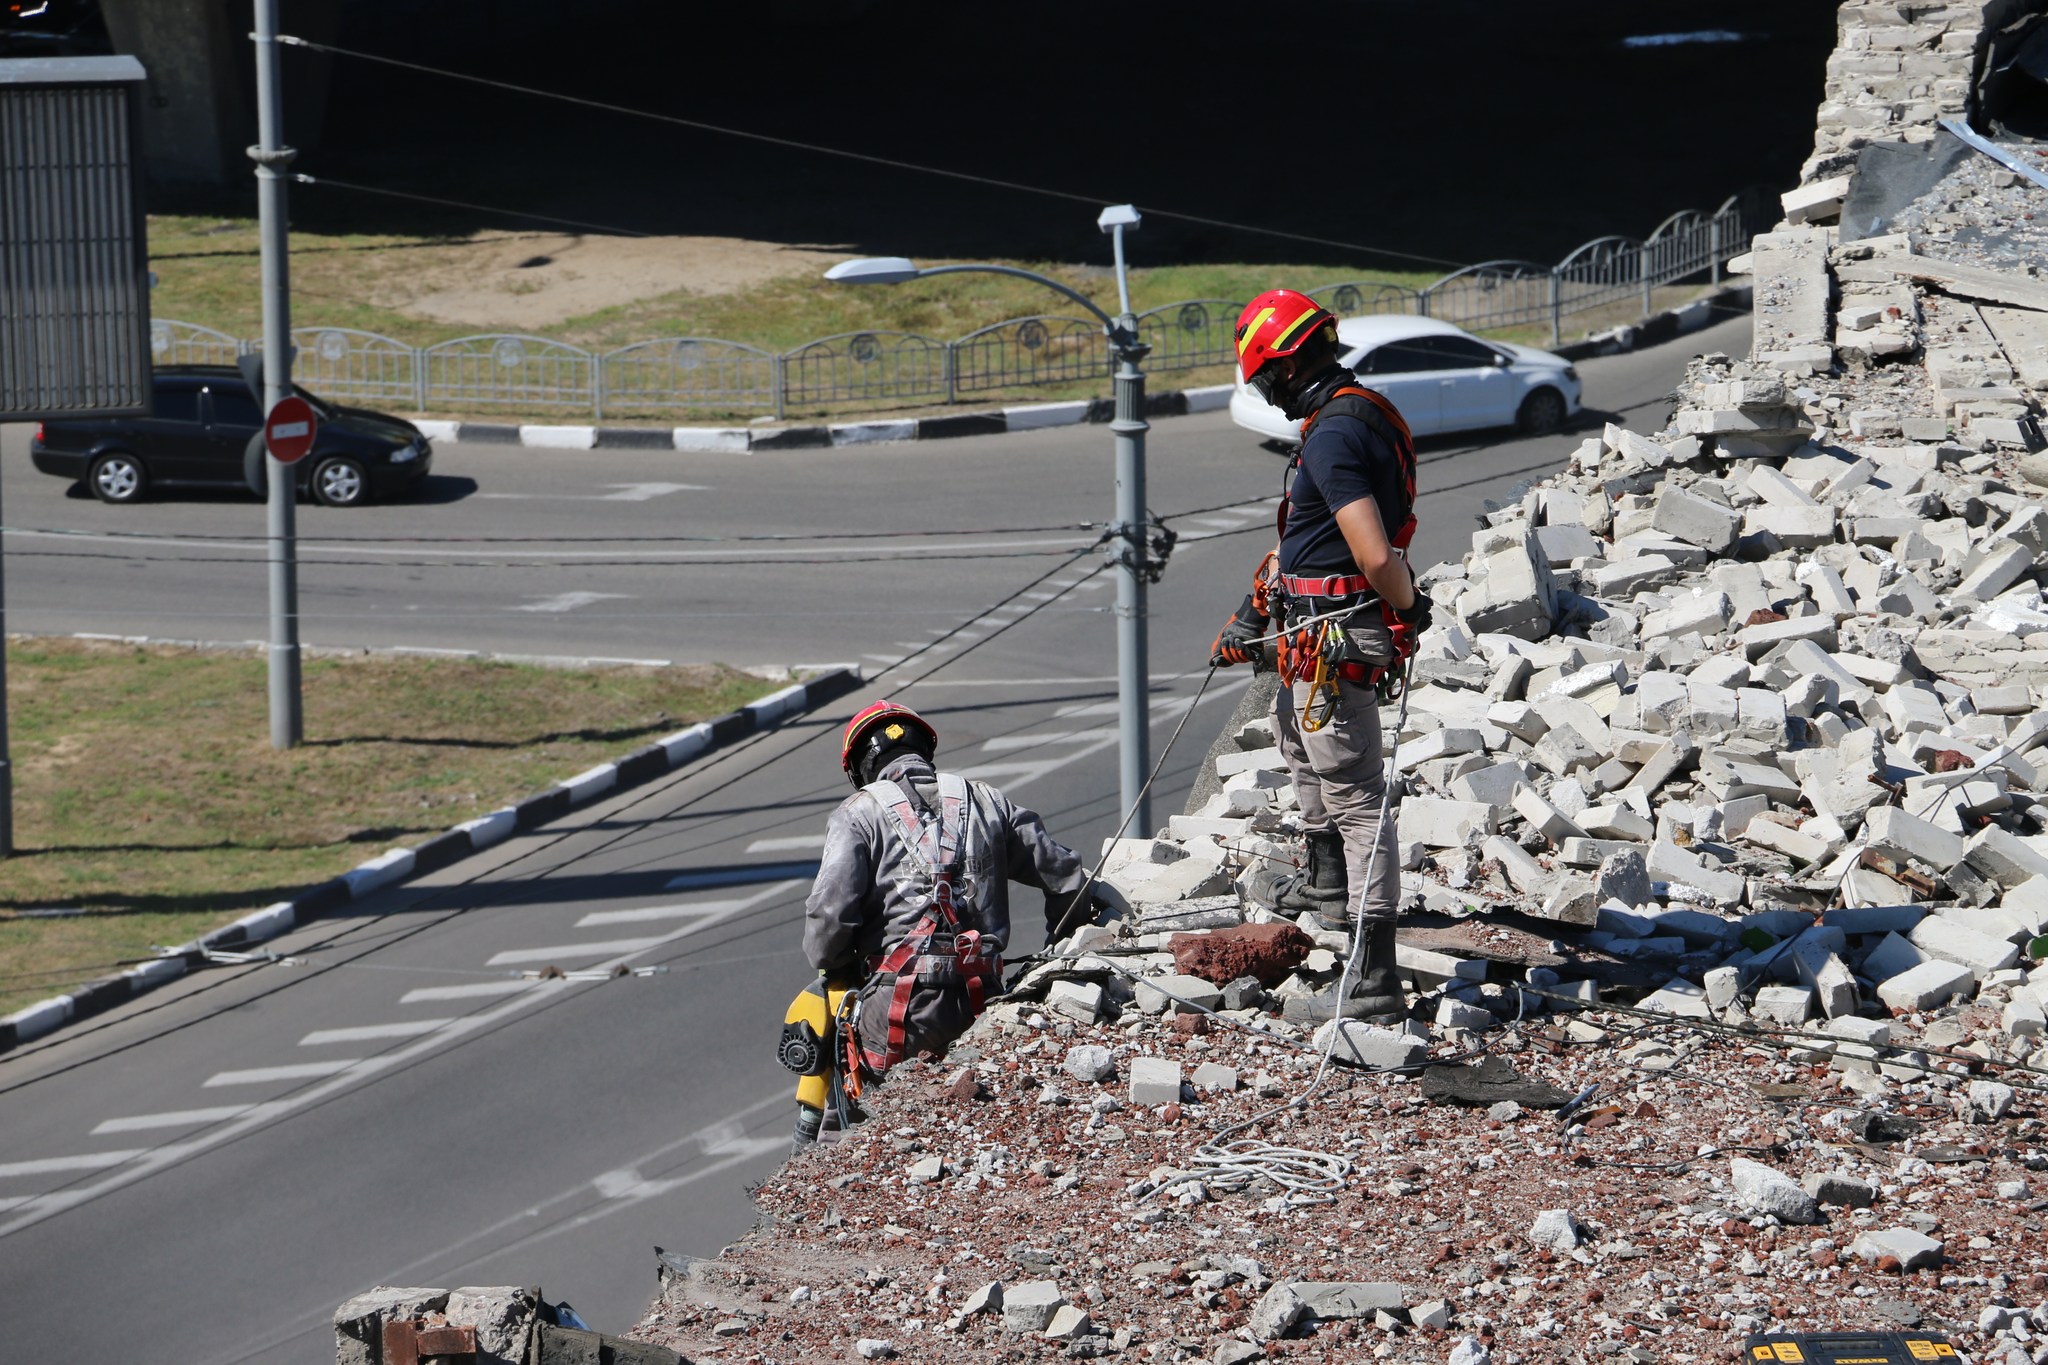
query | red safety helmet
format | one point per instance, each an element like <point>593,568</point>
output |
<point>1275,324</point>
<point>883,723</point>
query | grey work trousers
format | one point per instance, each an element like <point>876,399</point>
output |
<point>1340,780</point>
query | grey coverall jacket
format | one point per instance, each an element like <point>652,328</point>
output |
<point>869,895</point>
<point>863,903</point>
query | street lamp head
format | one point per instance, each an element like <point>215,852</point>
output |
<point>1119,216</point>
<point>874,270</point>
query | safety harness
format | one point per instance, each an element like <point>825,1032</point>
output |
<point>937,952</point>
<point>1318,652</point>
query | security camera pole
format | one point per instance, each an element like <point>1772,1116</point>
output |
<point>1133,552</point>
<point>287,727</point>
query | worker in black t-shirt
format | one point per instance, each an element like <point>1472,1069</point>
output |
<point>1338,594</point>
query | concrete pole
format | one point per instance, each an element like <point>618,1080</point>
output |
<point>1133,652</point>
<point>287,727</point>
<point>1133,668</point>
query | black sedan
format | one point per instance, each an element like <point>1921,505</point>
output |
<point>202,432</point>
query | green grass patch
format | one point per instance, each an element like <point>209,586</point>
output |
<point>150,807</point>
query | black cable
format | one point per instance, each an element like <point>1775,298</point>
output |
<point>588,563</point>
<point>652,791</point>
<point>331,183</point>
<point>792,144</point>
<point>764,536</point>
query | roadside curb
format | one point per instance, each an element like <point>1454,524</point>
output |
<point>800,436</point>
<point>642,765</point>
<point>1663,327</point>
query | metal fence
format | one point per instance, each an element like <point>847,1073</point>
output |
<point>678,374</point>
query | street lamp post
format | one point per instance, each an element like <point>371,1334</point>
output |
<point>1133,551</point>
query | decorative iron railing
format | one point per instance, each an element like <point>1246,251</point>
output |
<point>679,374</point>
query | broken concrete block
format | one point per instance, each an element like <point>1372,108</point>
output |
<point>1770,1191</point>
<point>1376,1049</point>
<point>2004,857</point>
<point>1029,1305</point>
<point>1154,1080</point>
<point>1442,823</point>
<point>1171,994</point>
<point>1912,1250</point>
<point>1080,1001</point>
<point>1671,864</point>
<point>1925,986</point>
<point>1997,571</point>
<point>1840,1191</point>
<point>1892,957</point>
<point>1790,1006</point>
<point>1891,830</point>
<point>1945,940</point>
<point>1685,515</point>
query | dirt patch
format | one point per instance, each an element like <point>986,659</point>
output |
<point>537,280</point>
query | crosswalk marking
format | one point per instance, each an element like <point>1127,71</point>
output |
<point>470,991</point>
<point>787,843</point>
<point>1007,743</point>
<point>264,1075</point>
<point>515,956</point>
<point>55,1165</point>
<point>177,1118</point>
<point>742,876</point>
<point>364,1033</point>
<point>646,913</point>
<point>1219,523</point>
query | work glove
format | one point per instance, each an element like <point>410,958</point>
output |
<point>1240,642</point>
<point>1406,625</point>
<point>1065,913</point>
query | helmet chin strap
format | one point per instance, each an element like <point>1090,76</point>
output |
<point>1303,395</point>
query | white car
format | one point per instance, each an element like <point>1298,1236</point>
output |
<point>1441,378</point>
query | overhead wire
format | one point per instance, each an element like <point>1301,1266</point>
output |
<point>820,149</point>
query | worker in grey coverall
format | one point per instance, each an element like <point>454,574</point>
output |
<point>908,840</point>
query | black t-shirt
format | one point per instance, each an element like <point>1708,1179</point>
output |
<point>1342,461</point>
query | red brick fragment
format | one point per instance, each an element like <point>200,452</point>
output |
<point>1267,951</point>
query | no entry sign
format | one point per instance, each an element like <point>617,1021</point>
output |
<point>289,430</point>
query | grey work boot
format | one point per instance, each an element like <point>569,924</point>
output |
<point>1379,980</point>
<point>1320,888</point>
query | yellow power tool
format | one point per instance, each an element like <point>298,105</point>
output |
<point>813,1046</point>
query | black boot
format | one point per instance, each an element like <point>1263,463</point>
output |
<point>1321,887</point>
<point>1379,980</point>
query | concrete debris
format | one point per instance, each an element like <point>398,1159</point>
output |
<point>1722,820</point>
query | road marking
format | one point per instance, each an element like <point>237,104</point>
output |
<point>515,956</point>
<point>468,992</point>
<point>701,909</point>
<point>744,876</point>
<point>567,601</point>
<point>787,843</point>
<point>177,1118</point>
<point>1219,523</point>
<point>54,1165</point>
<point>1010,743</point>
<point>366,1033</point>
<point>161,1158</point>
<point>264,1075</point>
<point>626,492</point>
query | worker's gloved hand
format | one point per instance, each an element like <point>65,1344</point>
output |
<point>1239,642</point>
<point>1406,626</point>
<point>1065,913</point>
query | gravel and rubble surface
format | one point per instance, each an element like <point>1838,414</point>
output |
<point>1041,1177</point>
<point>1721,820</point>
<point>1723,825</point>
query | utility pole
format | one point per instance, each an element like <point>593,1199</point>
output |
<point>1133,555</point>
<point>287,726</point>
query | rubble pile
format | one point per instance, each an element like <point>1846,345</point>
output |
<point>1723,825</point>
<point>1721,807</point>
<point>1897,69</point>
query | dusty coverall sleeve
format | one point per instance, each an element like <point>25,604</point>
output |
<point>837,914</point>
<point>1037,859</point>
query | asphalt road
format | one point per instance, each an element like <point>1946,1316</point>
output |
<point>203,1176</point>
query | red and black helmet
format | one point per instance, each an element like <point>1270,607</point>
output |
<point>1277,323</point>
<point>881,725</point>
